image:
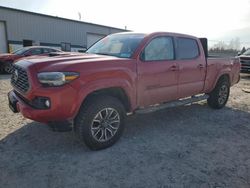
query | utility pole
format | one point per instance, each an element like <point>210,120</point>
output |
<point>80,16</point>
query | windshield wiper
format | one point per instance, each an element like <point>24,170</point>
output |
<point>103,54</point>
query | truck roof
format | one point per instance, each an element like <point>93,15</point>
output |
<point>157,33</point>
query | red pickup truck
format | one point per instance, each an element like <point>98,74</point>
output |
<point>121,74</point>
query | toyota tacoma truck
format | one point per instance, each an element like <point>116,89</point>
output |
<point>121,74</point>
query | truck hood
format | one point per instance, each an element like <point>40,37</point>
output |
<point>65,62</point>
<point>8,56</point>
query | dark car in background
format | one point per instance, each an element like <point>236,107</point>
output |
<point>245,61</point>
<point>7,59</point>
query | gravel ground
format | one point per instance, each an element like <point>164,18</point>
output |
<point>189,146</point>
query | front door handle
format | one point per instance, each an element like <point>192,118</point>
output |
<point>200,66</point>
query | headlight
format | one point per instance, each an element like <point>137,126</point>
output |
<point>56,78</point>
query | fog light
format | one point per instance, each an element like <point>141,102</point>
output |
<point>47,103</point>
<point>41,103</point>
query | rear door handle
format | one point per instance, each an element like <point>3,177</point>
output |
<point>174,68</point>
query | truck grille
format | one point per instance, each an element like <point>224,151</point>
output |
<point>19,79</point>
<point>245,64</point>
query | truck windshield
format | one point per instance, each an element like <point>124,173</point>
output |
<point>119,45</point>
<point>246,52</point>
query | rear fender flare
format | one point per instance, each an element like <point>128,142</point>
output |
<point>224,72</point>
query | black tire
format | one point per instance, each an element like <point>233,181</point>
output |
<point>219,96</point>
<point>1,69</point>
<point>94,130</point>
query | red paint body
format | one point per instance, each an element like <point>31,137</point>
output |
<point>144,83</point>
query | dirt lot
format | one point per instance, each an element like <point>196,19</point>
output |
<point>189,146</point>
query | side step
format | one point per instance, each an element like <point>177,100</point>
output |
<point>175,103</point>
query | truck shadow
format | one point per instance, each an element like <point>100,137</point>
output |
<point>38,137</point>
<point>245,76</point>
<point>195,120</point>
<point>206,145</point>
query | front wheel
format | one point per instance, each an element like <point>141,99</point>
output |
<point>219,96</point>
<point>100,122</point>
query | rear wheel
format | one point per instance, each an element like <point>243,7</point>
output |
<point>219,96</point>
<point>100,122</point>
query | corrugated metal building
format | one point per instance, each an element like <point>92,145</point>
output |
<point>22,28</point>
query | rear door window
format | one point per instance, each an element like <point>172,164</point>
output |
<point>187,48</point>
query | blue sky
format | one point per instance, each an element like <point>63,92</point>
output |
<point>215,19</point>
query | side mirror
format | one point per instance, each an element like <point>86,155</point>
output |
<point>239,53</point>
<point>142,55</point>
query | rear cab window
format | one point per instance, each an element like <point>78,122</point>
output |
<point>187,48</point>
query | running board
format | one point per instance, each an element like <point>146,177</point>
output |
<point>175,103</point>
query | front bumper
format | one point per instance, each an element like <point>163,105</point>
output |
<point>62,99</point>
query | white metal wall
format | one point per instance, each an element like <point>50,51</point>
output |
<point>3,42</point>
<point>48,29</point>
<point>92,38</point>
